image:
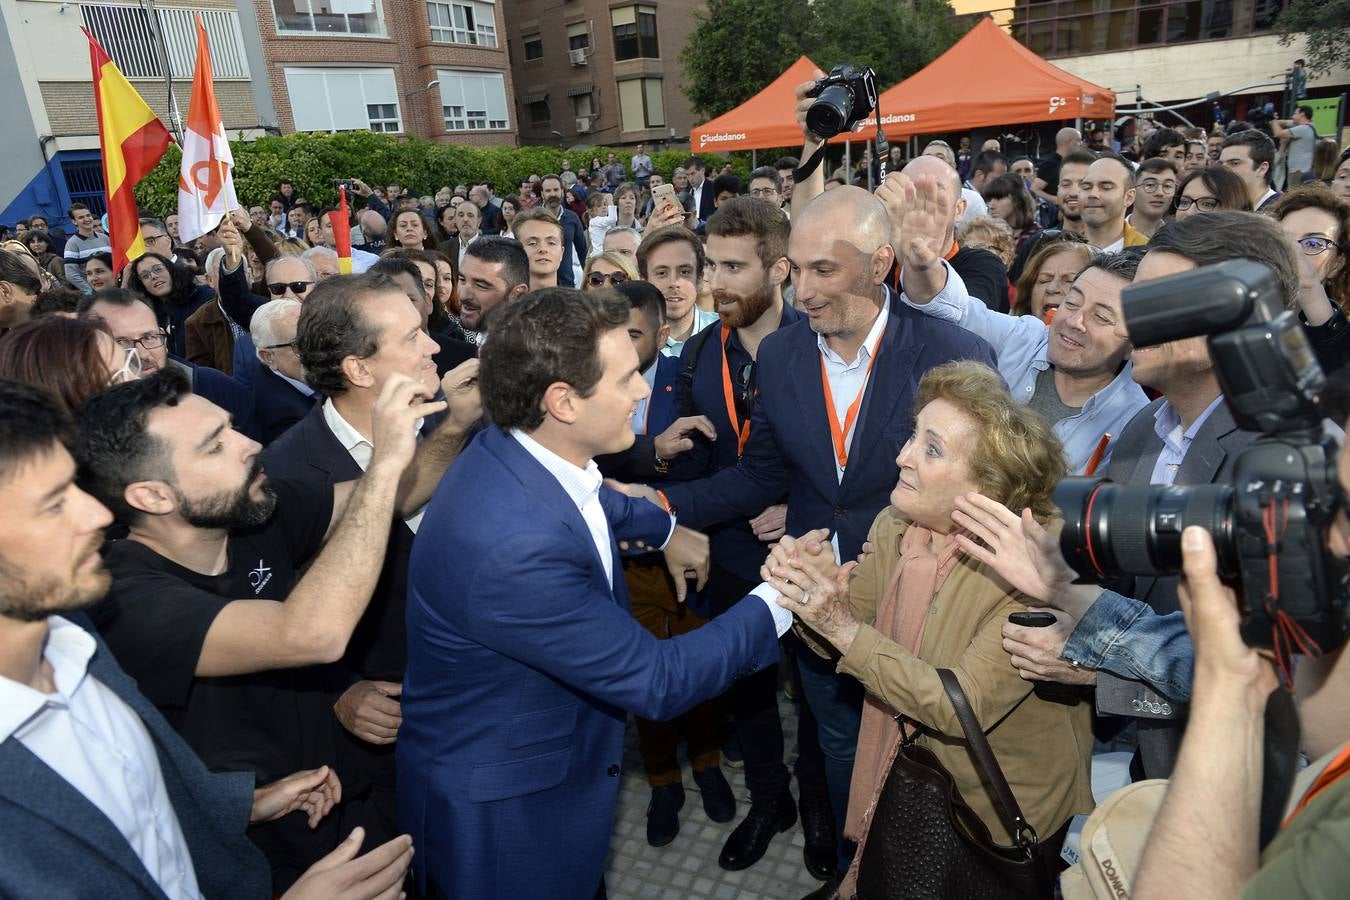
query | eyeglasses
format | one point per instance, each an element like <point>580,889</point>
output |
<point>151,341</point>
<point>276,289</point>
<point>290,344</point>
<point>131,368</point>
<point>154,270</point>
<point>156,237</point>
<point>1316,246</point>
<point>595,279</point>
<point>1204,204</point>
<point>763,192</point>
<point>1152,187</point>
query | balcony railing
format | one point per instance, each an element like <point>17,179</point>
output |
<point>128,33</point>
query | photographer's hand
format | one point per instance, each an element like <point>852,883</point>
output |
<point>1215,788</point>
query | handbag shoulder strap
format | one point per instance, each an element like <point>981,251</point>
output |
<point>988,763</point>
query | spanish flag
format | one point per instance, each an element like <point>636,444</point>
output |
<point>133,140</point>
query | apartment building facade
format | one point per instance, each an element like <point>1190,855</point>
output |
<point>434,69</point>
<point>600,71</point>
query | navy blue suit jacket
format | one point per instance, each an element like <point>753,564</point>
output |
<point>55,843</point>
<point>734,546</point>
<point>574,237</point>
<point>523,660</point>
<point>790,450</point>
<point>638,462</point>
<point>277,404</point>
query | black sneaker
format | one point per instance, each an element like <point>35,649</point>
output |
<point>718,801</point>
<point>663,814</point>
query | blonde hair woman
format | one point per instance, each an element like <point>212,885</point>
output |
<point>917,603</point>
<point>607,269</point>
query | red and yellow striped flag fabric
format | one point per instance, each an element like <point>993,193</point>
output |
<point>133,140</point>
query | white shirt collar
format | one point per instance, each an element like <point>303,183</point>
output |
<point>68,648</point>
<point>580,484</point>
<point>347,436</point>
<point>873,335</point>
<point>298,385</point>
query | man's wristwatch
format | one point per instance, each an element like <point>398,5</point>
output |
<point>661,466</point>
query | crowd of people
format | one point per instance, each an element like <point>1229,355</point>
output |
<point>310,585</point>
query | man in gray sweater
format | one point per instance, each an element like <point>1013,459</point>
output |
<point>82,245</point>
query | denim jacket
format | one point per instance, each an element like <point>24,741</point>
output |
<point>1023,347</point>
<point>1128,639</point>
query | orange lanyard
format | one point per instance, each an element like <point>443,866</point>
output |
<point>837,432</point>
<point>743,431</point>
<point>1335,770</point>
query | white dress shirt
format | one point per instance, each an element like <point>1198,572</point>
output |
<point>86,734</point>
<point>644,405</point>
<point>361,450</point>
<point>583,488</point>
<point>848,380</point>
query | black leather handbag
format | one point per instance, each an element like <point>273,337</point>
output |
<point>926,842</point>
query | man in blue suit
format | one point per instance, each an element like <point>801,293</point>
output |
<point>523,657</point>
<point>99,796</point>
<point>834,406</point>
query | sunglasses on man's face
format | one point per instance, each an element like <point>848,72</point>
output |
<point>297,287</point>
<point>595,279</point>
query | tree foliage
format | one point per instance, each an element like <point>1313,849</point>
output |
<point>739,46</point>
<point>1326,25</point>
<point>314,162</point>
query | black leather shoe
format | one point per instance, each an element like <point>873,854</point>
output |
<point>827,891</point>
<point>751,838</point>
<point>818,829</point>
<point>718,801</point>
<point>663,814</point>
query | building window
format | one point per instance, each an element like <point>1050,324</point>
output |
<point>578,36</point>
<point>473,101</point>
<point>128,36</point>
<point>534,47</point>
<point>465,22</point>
<point>538,110</point>
<point>343,99</point>
<point>640,104</point>
<point>583,105</point>
<point>1054,28</point>
<point>634,32</point>
<point>360,17</point>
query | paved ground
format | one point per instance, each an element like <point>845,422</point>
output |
<point>686,869</point>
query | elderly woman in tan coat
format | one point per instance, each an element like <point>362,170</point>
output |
<point>916,602</point>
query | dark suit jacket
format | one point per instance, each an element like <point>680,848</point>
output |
<point>574,241</point>
<point>704,198</point>
<point>734,546</point>
<point>451,352</point>
<point>1208,460</point>
<point>55,843</point>
<point>309,451</point>
<point>638,462</point>
<point>277,405</point>
<point>790,451</point>
<point>523,661</point>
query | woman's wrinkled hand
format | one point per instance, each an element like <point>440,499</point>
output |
<point>819,600</point>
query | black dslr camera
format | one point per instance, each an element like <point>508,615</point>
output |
<point>1269,526</point>
<point>843,99</point>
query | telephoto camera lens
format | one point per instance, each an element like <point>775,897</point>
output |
<point>1111,529</point>
<point>826,117</point>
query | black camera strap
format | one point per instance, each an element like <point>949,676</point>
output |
<point>883,151</point>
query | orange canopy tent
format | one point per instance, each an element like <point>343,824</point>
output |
<point>767,119</point>
<point>986,78</point>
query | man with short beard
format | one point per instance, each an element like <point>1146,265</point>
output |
<point>1071,173</point>
<point>208,609</point>
<point>93,777</point>
<point>574,233</point>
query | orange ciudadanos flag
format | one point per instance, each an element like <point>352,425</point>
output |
<point>206,180</point>
<point>133,140</point>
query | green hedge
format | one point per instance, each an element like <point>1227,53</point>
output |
<point>315,161</point>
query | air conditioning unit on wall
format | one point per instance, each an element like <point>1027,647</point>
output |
<point>583,124</point>
<point>578,57</point>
